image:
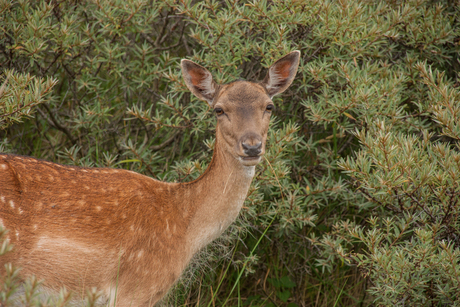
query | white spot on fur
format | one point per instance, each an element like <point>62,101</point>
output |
<point>4,166</point>
<point>35,227</point>
<point>141,252</point>
<point>86,187</point>
<point>17,235</point>
<point>95,171</point>
<point>12,204</point>
<point>20,211</point>
<point>98,208</point>
<point>67,247</point>
<point>2,198</point>
<point>124,215</point>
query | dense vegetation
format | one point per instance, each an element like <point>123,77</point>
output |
<point>357,201</point>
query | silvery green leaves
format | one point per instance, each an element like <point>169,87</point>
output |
<point>413,184</point>
<point>19,94</point>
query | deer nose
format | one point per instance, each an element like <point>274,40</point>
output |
<point>252,150</point>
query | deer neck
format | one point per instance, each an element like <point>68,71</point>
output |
<point>217,196</point>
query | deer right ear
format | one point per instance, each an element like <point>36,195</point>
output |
<point>199,81</point>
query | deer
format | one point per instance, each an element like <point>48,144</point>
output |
<point>126,234</point>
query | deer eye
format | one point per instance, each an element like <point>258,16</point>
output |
<point>219,111</point>
<point>270,108</point>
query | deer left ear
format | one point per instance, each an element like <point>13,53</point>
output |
<point>282,73</point>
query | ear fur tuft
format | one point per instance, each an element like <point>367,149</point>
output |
<point>199,81</point>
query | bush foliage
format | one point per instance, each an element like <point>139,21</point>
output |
<point>357,200</point>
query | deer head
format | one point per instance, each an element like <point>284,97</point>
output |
<point>243,109</point>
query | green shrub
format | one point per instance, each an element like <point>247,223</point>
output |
<point>359,187</point>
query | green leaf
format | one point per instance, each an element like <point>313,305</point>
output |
<point>284,295</point>
<point>286,282</point>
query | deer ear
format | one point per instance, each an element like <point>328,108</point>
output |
<point>281,74</point>
<point>199,81</point>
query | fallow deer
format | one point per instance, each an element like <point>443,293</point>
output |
<point>127,234</point>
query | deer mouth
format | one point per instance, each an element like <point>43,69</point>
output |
<point>250,160</point>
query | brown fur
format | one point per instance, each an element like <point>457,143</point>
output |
<point>116,229</point>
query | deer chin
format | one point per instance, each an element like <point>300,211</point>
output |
<point>249,161</point>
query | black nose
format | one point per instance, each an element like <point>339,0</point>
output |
<point>252,150</point>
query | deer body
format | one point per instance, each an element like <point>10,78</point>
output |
<point>145,231</point>
<point>126,233</point>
